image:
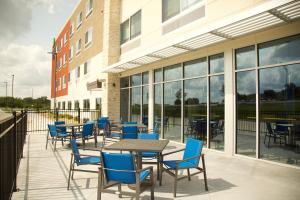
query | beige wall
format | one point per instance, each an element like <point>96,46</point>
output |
<point>94,20</point>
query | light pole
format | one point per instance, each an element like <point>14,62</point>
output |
<point>54,57</point>
<point>12,85</point>
<point>5,93</point>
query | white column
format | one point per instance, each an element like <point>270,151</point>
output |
<point>229,102</point>
<point>151,100</point>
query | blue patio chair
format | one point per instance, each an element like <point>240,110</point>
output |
<point>275,134</point>
<point>55,135</point>
<point>120,169</point>
<point>101,123</point>
<point>62,129</point>
<point>80,159</point>
<point>87,133</point>
<point>150,155</point>
<point>108,135</point>
<point>190,160</point>
<point>129,132</point>
<point>130,123</point>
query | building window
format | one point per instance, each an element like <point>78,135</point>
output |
<point>63,105</point>
<point>86,104</point>
<point>69,105</point>
<point>64,59</point>
<point>88,37</point>
<point>131,28</point>
<point>89,7</point>
<point>72,29</point>
<point>78,71</point>
<point>60,62</point>
<point>71,52</point>
<point>65,38</point>
<point>86,67</point>
<point>79,20</point>
<point>69,76</point>
<point>98,104</point>
<point>78,46</point>
<point>76,104</point>
<point>171,8</point>
<point>58,105</point>
<point>61,43</point>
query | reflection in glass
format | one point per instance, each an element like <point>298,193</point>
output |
<point>157,103</point>
<point>124,82</point>
<point>136,104</point>
<point>279,51</point>
<point>246,113</point>
<point>172,72</point>
<point>195,102</point>
<point>216,63</point>
<point>195,68</point>
<point>217,112</point>
<point>124,105</point>
<point>145,105</point>
<point>145,78</point>
<point>280,114</point>
<point>158,75</point>
<point>136,80</point>
<point>135,25</point>
<point>245,57</point>
<point>172,110</point>
<point>170,8</point>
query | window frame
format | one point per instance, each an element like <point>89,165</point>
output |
<point>129,21</point>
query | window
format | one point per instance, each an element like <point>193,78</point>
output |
<point>76,104</point>
<point>64,59</point>
<point>88,37</point>
<point>78,71</point>
<point>86,67</point>
<point>69,76</point>
<point>63,105</point>
<point>72,29</point>
<point>69,105</point>
<point>170,8</point>
<point>65,38</point>
<point>79,20</point>
<point>78,46</point>
<point>58,105</point>
<point>89,7</point>
<point>71,52</point>
<point>64,78</point>
<point>98,103</point>
<point>131,28</point>
<point>61,43</point>
<point>60,62</point>
<point>86,104</point>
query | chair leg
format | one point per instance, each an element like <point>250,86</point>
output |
<point>189,174</point>
<point>99,184</point>
<point>161,169</point>
<point>73,166</point>
<point>269,142</point>
<point>175,183</point>
<point>265,139</point>
<point>70,172</point>
<point>120,190</point>
<point>152,184</point>
<point>47,140</point>
<point>55,144</point>
<point>157,168</point>
<point>204,172</point>
<point>62,141</point>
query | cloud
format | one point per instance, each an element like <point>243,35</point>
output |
<point>32,69</point>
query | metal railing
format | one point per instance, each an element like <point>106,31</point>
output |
<point>12,139</point>
<point>39,119</point>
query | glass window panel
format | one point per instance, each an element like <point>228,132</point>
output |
<point>170,8</point>
<point>125,31</point>
<point>135,25</point>
<point>173,72</point>
<point>217,112</point>
<point>246,113</point>
<point>279,51</point>
<point>172,110</point>
<point>145,105</point>
<point>216,63</point>
<point>124,82</point>
<point>158,75</point>
<point>195,68</point>
<point>145,78</point>
<point>245,57</point>
<point>136,98</point>
<point>280,114</point>
<point>188,3</point>
<point>98,103</point>
<point>157,103</point>
<point>195,108</point>
<point>124,105</point>
<point>136,80</point>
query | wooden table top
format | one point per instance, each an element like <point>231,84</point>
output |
<point>70,125</point>
<point>122,125</point>
<point>139,145</point>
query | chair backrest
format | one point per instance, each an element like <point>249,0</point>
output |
<point>62,129</point>
<point>193,148</point>
<point>145,120</point>
<point>130,132</point>
<point>148,136</point>
<point>281,128</point>
<point>52,130</point>
<point>269,128</point>
<point>117,161</point>
<point>156,127</point>
<point>102,122</point>
<point>130,122</point>
<point>75,151</point>
<point>88,129</point>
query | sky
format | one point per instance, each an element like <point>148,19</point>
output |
<point>26,35</point>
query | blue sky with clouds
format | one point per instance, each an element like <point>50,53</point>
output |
<point>30,26</point>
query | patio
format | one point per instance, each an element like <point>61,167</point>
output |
<point>43,175</point>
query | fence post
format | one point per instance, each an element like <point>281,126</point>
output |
<point>14,146</point>
<point>78,118</point>
<point>22,131</point>
<point>56,114</point>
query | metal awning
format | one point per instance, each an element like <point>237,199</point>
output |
<point>263,16</point>
<point>95,85</point>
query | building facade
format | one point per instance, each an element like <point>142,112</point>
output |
<point>226,72</point>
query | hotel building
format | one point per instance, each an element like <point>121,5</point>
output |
<point>226,72</point>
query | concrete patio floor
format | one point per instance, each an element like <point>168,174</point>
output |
<point>43,175</point>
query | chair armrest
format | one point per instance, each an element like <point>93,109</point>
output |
<point>75,154</point>
<point>144,169</point>
<point>187,159</point>
<point>173,152</point>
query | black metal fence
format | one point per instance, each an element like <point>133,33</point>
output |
<point>39,119</point>
<point>12,139</point>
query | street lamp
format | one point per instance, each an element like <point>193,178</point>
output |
<point>54,57</point>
